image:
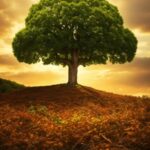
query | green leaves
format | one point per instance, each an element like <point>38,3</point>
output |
<point>54,28</point>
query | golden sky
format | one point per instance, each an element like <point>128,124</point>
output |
<point>130,78</point>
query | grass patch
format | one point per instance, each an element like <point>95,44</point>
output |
<point>7,86</point>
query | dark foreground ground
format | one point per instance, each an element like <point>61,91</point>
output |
<point>63,118</point>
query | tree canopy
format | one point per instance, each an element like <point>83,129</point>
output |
<point>54,29</point>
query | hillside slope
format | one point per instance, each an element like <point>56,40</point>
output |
<point>62,118</point>
<point>7,86</point>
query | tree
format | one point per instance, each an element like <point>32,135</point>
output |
<point>73,33</point>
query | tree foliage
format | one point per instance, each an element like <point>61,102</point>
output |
<point>54,28</point>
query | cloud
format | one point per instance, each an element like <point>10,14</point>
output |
<point>139,64</point>
<point>129,78</point>
<point>12,12</point>
<point>136,74</point>
<point>136,13</point>
<point>34,78</point>
<point>142,79</point>
<point>5,24</point>
<point>35,74</point>
<point>12,18</point>
<point>8,60</point>
<point>9,63</point>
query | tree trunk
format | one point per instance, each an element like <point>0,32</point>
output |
<point>73,69</point>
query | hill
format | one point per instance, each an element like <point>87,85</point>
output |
<point>7,86</point>
<point>63,118</point>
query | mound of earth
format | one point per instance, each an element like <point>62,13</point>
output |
<point>7,86</point>
<point>59,117</point>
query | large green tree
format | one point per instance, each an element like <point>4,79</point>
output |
<point>73,33</point>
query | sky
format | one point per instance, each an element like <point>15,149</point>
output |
<point>129,79</point>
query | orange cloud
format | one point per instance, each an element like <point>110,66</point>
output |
<point>32,78</point>
<point>136,13</point>
<point>12,12</point>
